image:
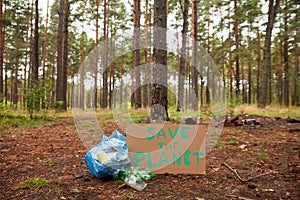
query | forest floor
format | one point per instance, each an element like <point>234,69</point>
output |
<point>55,153</point>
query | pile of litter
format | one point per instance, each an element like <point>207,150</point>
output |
<point>110,159</point>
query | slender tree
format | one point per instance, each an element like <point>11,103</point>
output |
<point>104,103</point>
<point>266,64</point>
<point>237,59</point>
<point>137,72</point>
<point>159,104</point>
<point>44,55</point>
<point>60,65</point>
<point>1,50</point>
<point>286,90</point>
<point>182,56</point>
<point>195,63</point>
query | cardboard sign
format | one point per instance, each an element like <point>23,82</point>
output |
<point>167,148</point>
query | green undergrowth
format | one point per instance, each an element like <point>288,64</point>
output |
<point>33,183</point>
<point>269,111</point>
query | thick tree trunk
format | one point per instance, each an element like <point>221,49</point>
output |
<point>181,75</point>
<point>137,16</point>
<point>65,55</point>
<point>266,65</point>
<point>159,104</point>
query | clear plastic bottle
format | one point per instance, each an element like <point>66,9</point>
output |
<point>135,177</point>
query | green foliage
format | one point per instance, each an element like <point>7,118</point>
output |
<point>33,183</point>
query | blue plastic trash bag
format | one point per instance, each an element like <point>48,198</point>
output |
<point>109,156</point>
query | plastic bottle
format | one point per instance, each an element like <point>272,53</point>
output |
<point>135,177</point>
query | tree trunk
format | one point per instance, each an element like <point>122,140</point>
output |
<point>44,57</point>
<point>82,93</point>
<point>35,61</point>
<point>137,16</point>
<point>60,65</point>
<point>65,55</point>
<point>15,85</point>
<point>258,64</point>
<point>26,54</point>
<point>237,62</point>
<point>286,86</point>
<point>266,65</point>
<point>1,50</point>
<point>96,57</point>
<point>297,73</point>
<point>279,86</point>
<point>145,99</point>
<point>104,62</point>
<point>230,65</point>
<point>249,69</point>
<point>195,63</point>
<point>181,75</point>
<point>159,104</point>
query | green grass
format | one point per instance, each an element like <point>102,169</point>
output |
<point>14,120</point>
<point>262,156</point>
<point>232,142</point>
<point>33,183</point>
<point>269,111</point>
<point>48,161</point>
<point>220,145</point>
<point>131,195</point>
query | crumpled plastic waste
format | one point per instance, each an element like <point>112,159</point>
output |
<point>110,158</point>
<point>135,177</point>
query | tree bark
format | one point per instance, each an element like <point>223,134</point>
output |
<point>104,62</point>
<point>181,75</point>
<point>137,16</point>
<point>286,90</point>
<point>65,55</point>
<point>44,57</point>
<point>96,57</point>
<point>59,66</point>
<point>35,61</point>
<point>15,85</point>
<point>159,104</point>
<point>195,63</point>
<point>237,60</point>
<point>266,65</point>
<point>1,50</point>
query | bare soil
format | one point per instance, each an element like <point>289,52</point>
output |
<point>55,152</point>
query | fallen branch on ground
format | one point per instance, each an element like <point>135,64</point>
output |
<point>249,179</point>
